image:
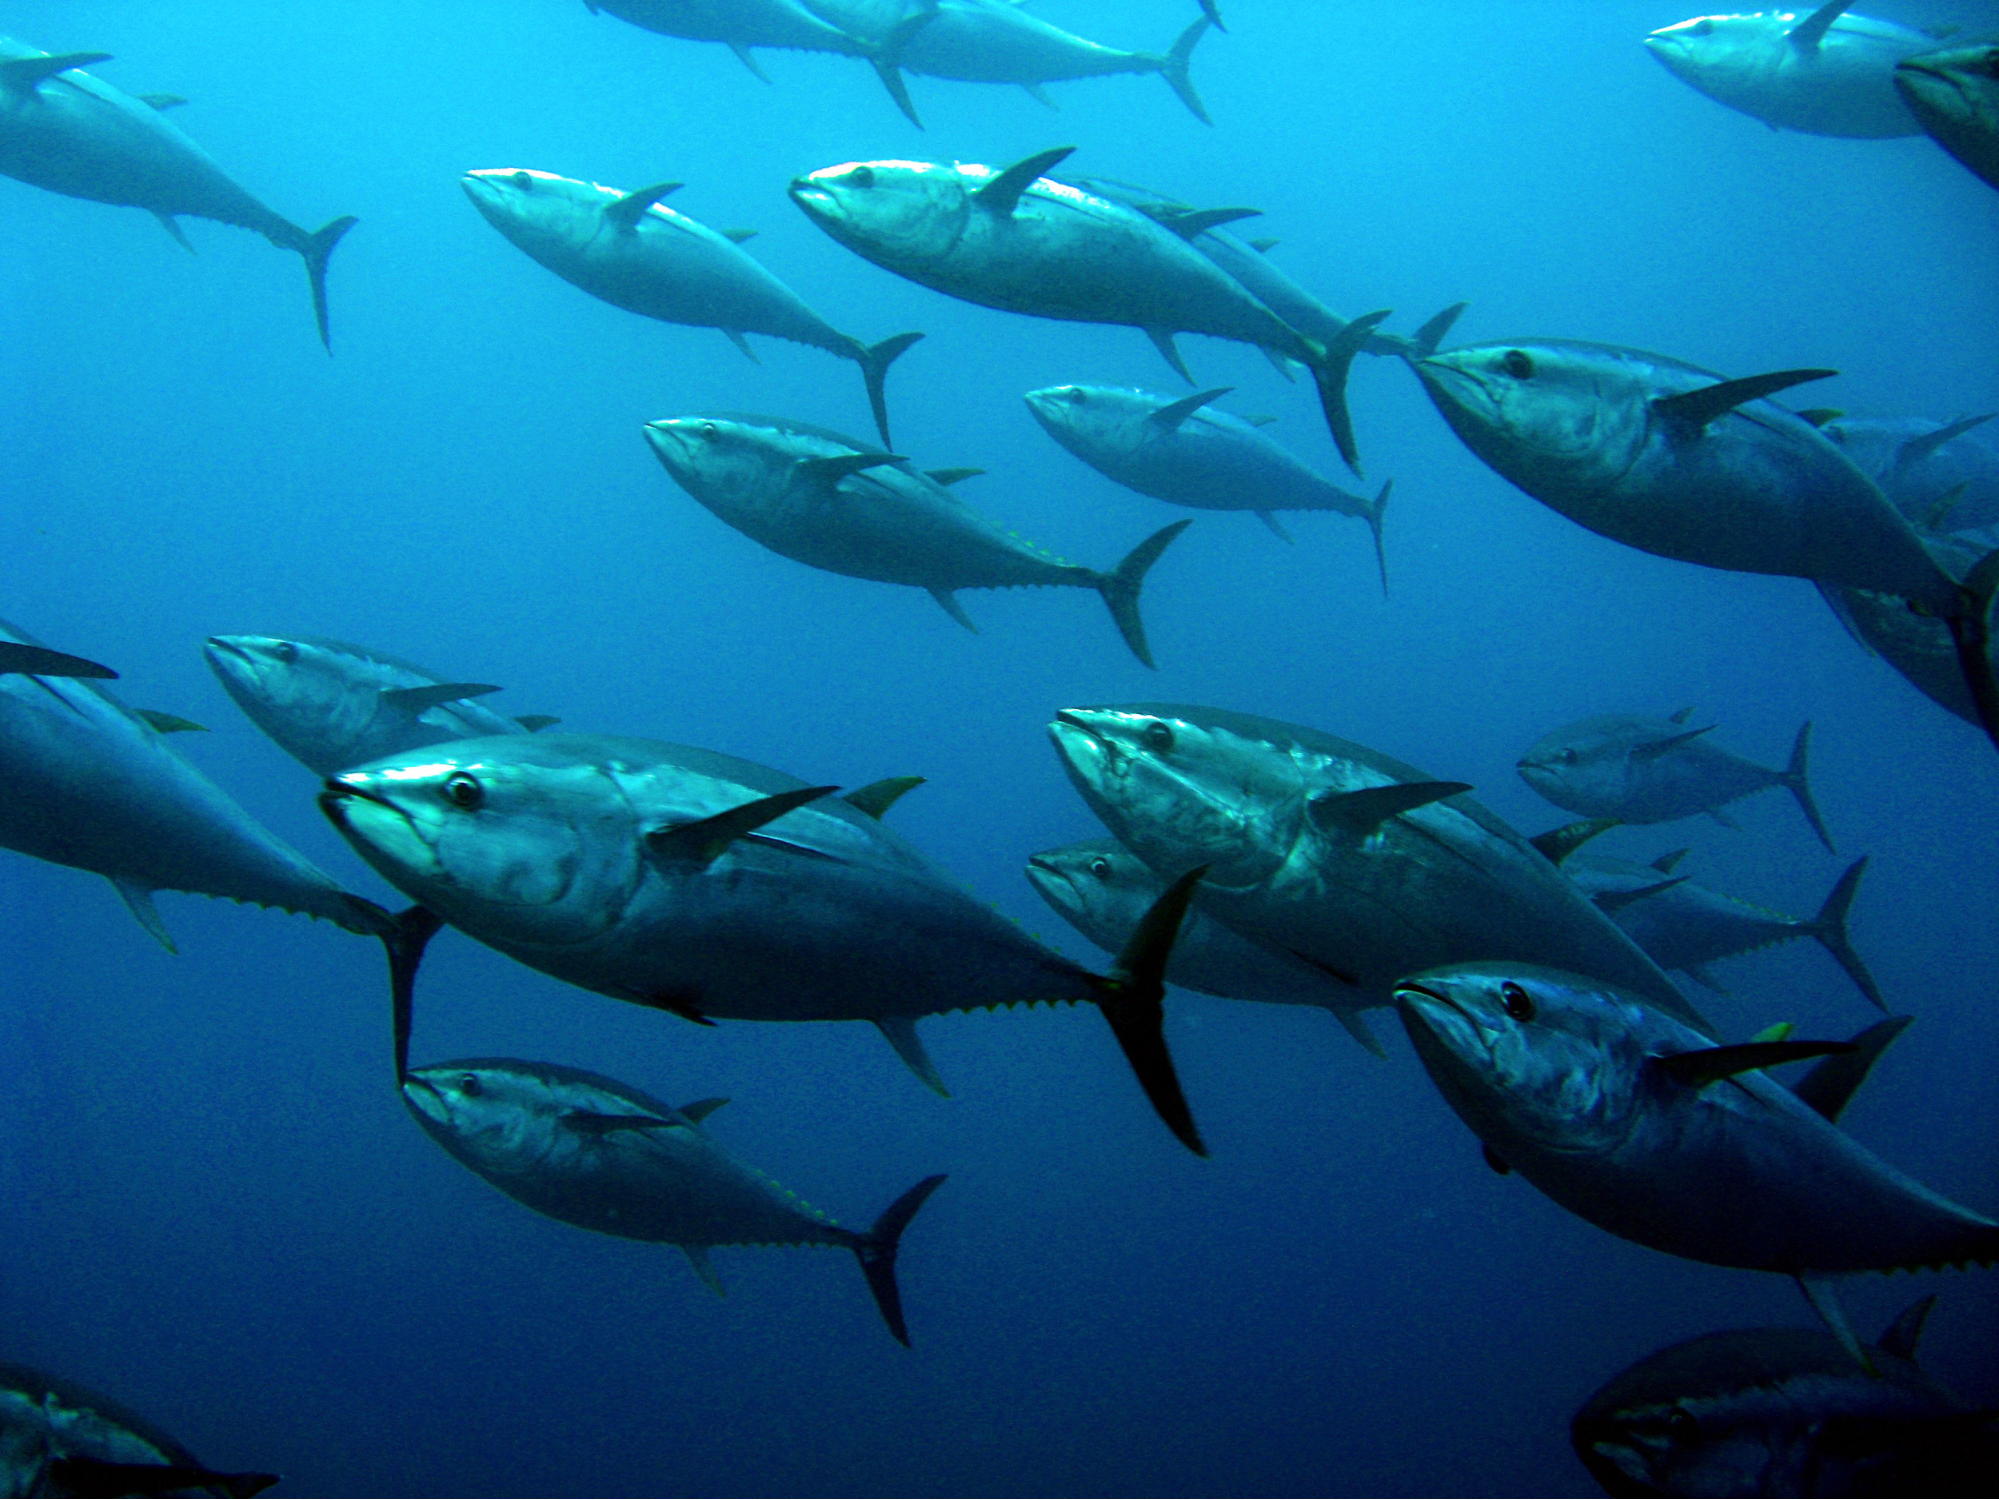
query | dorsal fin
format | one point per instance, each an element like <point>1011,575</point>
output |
<point>625,211</point>
<point>737,236</point>
<point>1360,813</point>
<point>701,1109</point>
<point>1691,411</point>
<point>1192,221</point>
<point>164,723</point>
<point>953,476</point>
<point>877,797</point>
<point>163,101</point>
<point>1808,33</point>
<point>1946,503</point>
<point>416,700</point>
<point>1683,715</point>
<point>1818,416</point>
<point>1171,415</point>
<point>1665,863</point>
<point>535,723</point>
<point>1000,194</point>
<point>1900,1337</point>
<point>26,74</point>
<point>1263,246</point>
<point>1559,843</point>
<point>1830,1086</point>
<point>1707,1065</point>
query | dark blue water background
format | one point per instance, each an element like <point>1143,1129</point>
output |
<point>214,1204</point>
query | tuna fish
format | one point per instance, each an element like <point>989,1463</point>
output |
<point>1916,645</point>
<point>1954,95</point>
<point>1638,769</point>
<point>1339,856</point>
<point>1187,452</point>
<point>59,1439</point>
<point>1686,926</point>
<point>92,785</point>
<point>72,133</point>
<point>709,887</point>
<point>1102,890</point>
<point>1784,1411</point>
<point>997,41</point>
<point>1646,1128</point>
<point>331,705</point>
<point>1940,475</point>
<point>632,251</point>
<point>833,502</point>
<point>1672,459</point>
<point>1021,242</point>
<point>599,1154</point>
<point>1825,73</point>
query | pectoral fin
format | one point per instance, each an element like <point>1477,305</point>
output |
<point>597,1124</point>
<point>1360,813</point>
<point>703,841</point>
<point>1707,1065</point>
<point>625,211</point>
<point>418,700</point>
<point>1171,415</point>
<point>1691,411</point>
<point>1000,195</point>
<point>833,468</point>
<point>39,661</point>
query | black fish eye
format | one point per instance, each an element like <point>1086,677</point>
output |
<point>1519,364</point>
<point>464,791</point>
<point>1519,1004</point>
<point>861,177</point>
<point>1992,63</point>
<point>1683,1424</point>
<point>710,430</point>
<point>1075,395</point>
<point>1568,756</point>
<point>1101,868</point>
<point>286,652</point>
<point>468,1083</point>
<point>1158,737</point>
<point>524,181</point>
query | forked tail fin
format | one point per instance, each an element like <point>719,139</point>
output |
<point>1120,587</point>
<point>1796,778</point>
<point>1829,927</point>
<point>1330,370</point>
<point>1971,633</point>
<point>874,360</point>
<point>876,1251</point>
<point>404,934</point>
<point>316,249</point>
<point>1173,68</point>
<point>1133,998</point>
<point>1374,524</point>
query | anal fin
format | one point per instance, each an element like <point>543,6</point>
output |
<point>901,1034</point>
<point>139,900</point>
<point>697,1257</point>
<point>948,602</point>
<point>1358,1030</point>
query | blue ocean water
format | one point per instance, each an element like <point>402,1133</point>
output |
<point>216,1207</point>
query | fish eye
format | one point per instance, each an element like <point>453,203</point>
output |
<point>1683,1424</point>
<point>1075,395</point>
<point>1158,737</point>
<point>1519,364</point>
<point>860,177</point>
<point>1519,1004</point>
<point>524,181</point>
<point>1101,868</point>
<point>1568,756</point>
<point>710,430</point>
<point>468,1083</point>
<point>464,791</point>
<point>286,652</point>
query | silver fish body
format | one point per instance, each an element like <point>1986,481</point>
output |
<point>1943,476</point>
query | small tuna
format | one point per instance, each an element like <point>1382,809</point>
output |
<point>1954,95</point>
<point>1686,926</point>
<point>58,1439</point>
<point>1187,452</point>
<point>1825,73</point>
<point>331,705</point>
<point>1103,890</point>
<point>1638,769</point>
<point>1646,1128</point>
<point>1021,242</point>
<point>599,1154</point>
<point>833,502</point>
<point>708,886</point>
<point>632,251</point>
<point>1784,1411</point>
<point>1661,455</point>
<point>67,131</point>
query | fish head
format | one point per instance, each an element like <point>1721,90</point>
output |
<point>520,839</point>
<point>1958,87</point>
<point>894,213</point>
<point>1532,1055</point>
<point>1100,887</point>
<point>539,211</point>
<point>1555,418</point>
<point>1180,791</point>
<point>291,687</point>
<point>481,1111</point>
<point>1584,767</point>
<point>1723,57</point>
<point>733,466</point>
<point>1685,1444</point>
<point>1080,416</point>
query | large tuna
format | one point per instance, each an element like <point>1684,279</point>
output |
<point>634,252</point>
<point>1332,853</point>
<point>1943,476</point>
<point>832,502</point>
<point>1954,95</point>
<point>713,887</point>
<point>67,131</point>
<point>1016,240</point>
<point>599,1154</point>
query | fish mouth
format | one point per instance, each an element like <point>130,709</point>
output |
<point>225,645</point>
<point>810,196</point>
<point>1051,880</point>
<point>428,1103</point>
<point>1446,1021</point>
<point>1447,380</point>
<point>379,830</point>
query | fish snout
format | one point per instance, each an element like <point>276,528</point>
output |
<point>816,200</point>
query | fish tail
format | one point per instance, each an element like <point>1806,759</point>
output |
<point>1173,67</point>
<point>1829,927</point>
<point>404,935</point>
<point>1374,513</point>
<point>1120,587</point>
<point>876,1251</point>
<point>1133,999</point>
<point>886,59</point>
<point>874,360</point>
<point>1330,367</point>
<point>316,249</point>
<point>1971,633</point>
<point>1795,777</point>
